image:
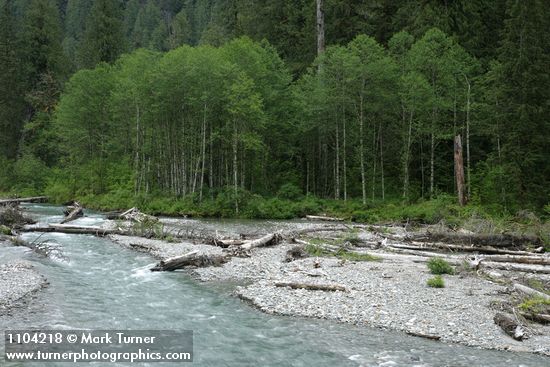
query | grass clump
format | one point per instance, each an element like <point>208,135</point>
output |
<point>536,305</point>
<point>343,254</point>
<point>354,256</point>
<point>439,266</point>
<point>436,282</point>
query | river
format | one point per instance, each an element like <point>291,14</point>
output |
<point>102,285</point>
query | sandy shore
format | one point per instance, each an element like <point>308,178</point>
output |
<point>18,281</point>
<point>390,294</point>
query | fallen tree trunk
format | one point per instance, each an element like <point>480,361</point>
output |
<point>535,269</point>
<point>34,199</point>
<point>63,228</point>
<point>444,246</point>
<point>496,240</point>
<point>226,243</point>
<point>190,259</point>
<point>422,335</point>
<point>73,212</point>
<point>530,291</point>
<point>324,218</point>
<point>537,317</point>
<point>312,287</point>
<point>268,240</point>
<point>509,326</point>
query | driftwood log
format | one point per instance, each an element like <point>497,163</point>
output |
<point>225,243</point>
<point>495,240</point>
<point>510,326</point>
<point>190,259</point>
<point>34,199</point>
<point>324,218</point>
<point>73,212</point>
<point>267,240</point>
<point>530,291</point>
<point>443,246</point>
<point>71,229</point>
<point>537,317</point>
<point>312,287</point>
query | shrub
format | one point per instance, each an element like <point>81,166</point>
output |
<point>439,266</point>
<point>536,305</point>
<point>289,191</point>
<point>436,282</point>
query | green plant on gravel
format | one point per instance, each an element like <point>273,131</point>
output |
<point>536,305</point>
<point>5,230</point>
<point>436,282</point>
<point>149,229</point>
<point>438,266</point>
<point>355,256</point>
<point>352,238</point>
<point>344,254</point>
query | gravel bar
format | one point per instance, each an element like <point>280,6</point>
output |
<point>18,280</point>
<point>389,294</point>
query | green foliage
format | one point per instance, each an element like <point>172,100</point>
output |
<point>244,128</point>
<point>290,191</point>
<point>440,266</point>
<point>103,40</point>
<point>436,282</point>
<point>535,305</point>
<point>354,256</point>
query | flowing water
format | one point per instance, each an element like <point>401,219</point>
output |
<point>102,285</point>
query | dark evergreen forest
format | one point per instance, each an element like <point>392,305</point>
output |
<point>225,108</point>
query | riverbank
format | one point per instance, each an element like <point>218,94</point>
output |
<point>19,280</point>
<point>390,293</point>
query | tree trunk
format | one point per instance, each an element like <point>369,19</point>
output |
<point>235,172</point>
<point>203,153</point>
<point>469,182</point>
<point>320,27</point>
<point>407,159</point>
<point>337,164</point>
<point>459,169</point>
<point>381,139</point>
<point>362,150</point>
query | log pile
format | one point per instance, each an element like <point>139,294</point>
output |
<point>135,215</point>
<point>73,212</point>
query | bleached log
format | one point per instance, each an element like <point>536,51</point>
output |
<point>444,246</point>
<point>34,199</point>
<point>312,287</point>
<point>530,291</point>
<point>324,218</point>
<point>190,259</point>
<point>535,269</point>
<point>267,240</point>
